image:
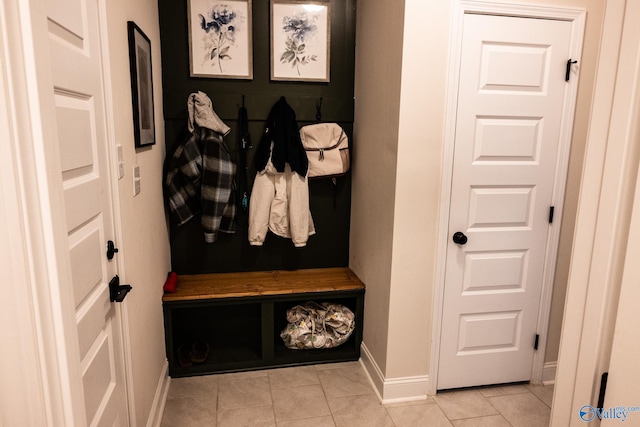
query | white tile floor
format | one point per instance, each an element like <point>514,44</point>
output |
<point>340,395</point>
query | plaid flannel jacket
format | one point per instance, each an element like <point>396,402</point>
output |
<point>200,179</point>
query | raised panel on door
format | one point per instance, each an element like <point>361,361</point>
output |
<point>494,271</point>
<point>510,99</point>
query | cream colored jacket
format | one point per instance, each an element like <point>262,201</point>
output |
<point>280,203</point>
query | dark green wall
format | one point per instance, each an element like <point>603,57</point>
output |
<point>329,204</point>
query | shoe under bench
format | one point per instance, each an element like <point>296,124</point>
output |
<point>240,316</point>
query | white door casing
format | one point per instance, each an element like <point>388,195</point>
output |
<point>88,359</point>
<point>623,384</point>
<point>511,88</point>
<point>599,295</point>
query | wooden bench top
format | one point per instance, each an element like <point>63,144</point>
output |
<point>263,283</point>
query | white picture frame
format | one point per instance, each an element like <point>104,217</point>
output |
<point>300,40</point>
<point>220,39</point>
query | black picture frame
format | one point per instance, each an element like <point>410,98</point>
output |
<point>141,86</point>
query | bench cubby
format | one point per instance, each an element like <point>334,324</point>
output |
<point>240,317</point>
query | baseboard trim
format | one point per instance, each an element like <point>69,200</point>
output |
<point>393,390</point>
<point>160,397</point>
<point>372,370</point>
<point>549,373</point>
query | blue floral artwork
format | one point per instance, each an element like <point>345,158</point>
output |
<point>298,28</point>
<point>300,41</point>
<point>220,38</point>
<point>221,31</point>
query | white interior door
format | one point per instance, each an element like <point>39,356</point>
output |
<point>510,102</point>
<point>78,95</point>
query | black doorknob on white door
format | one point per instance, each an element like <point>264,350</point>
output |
<point>111,249</point>
<point>459,238</point>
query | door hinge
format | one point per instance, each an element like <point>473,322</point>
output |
<point>567,74</point>
<point>551,209</point>
<point>535,343</point>
<point>603,389</point>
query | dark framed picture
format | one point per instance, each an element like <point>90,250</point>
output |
<point>141,86</point>
<point>220,41</point>
<point>300,40</point>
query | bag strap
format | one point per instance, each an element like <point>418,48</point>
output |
<point>244,144</point>
<point>319,110</point>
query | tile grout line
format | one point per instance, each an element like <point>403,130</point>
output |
<point>372,392</point>
<point>273,405</point>
<point>498,410</point>
<point>540,399</point>
<point>217,399</point>
<point>324,393</point>
<point>481,416</point>
<point>388,414</point>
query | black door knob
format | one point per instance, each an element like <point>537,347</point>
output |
<point>111,249</point>
<point>459,238</point>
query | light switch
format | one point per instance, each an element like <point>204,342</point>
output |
<point>120,162</point>
<point>136,180</point>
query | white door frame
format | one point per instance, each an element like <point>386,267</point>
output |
<point>577,17</point>
<point>39,212</point>
<point>24,393</point>
<point>604,218</point>
<point>33,181</point>
<point>113,166</point>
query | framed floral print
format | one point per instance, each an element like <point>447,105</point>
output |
<point>220,43</point>
<point>300,40</point>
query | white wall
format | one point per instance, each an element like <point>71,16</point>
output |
<point>144,245</point>
<point>422,111</point>
<point>400,115</point>
<point>377,98</point>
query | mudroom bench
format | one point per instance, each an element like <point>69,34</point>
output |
<point>227,322</point>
